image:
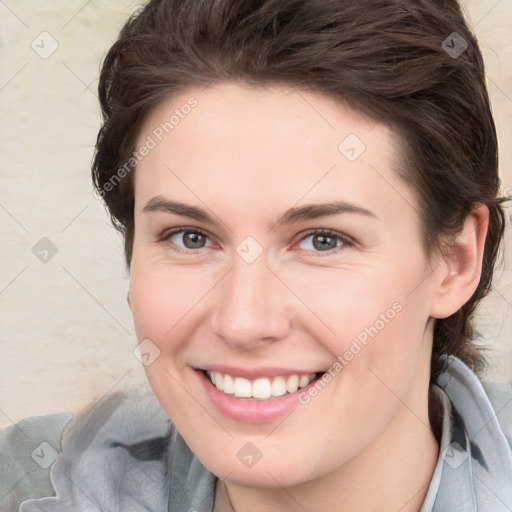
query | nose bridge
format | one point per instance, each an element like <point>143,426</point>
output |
<point>249,306</point>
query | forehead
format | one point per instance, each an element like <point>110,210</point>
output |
<point>279,143</point>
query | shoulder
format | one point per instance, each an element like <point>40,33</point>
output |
<point>113,456</point>
<point>483,400</point>
<point>476,430</point>
<point>500,396</point>
<point>27,451</point>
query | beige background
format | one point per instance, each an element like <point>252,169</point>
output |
<point>66,331</point>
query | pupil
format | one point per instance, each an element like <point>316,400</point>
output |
<point>324,242</point>
<point>193,240</point>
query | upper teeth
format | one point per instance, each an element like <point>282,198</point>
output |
<point>260,388</point>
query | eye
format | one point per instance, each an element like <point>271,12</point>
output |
<point>187,239</point>
<point>324,241</point>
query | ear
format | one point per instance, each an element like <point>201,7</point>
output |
<point>458,270</point>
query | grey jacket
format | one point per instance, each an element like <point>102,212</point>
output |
<point>124,454</point>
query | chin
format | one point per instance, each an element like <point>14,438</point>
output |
<point>268,476</point>
<point>271,471</point>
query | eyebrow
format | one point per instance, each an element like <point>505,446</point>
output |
<point>293,215</point>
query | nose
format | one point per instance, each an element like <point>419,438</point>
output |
<point>251,306</point>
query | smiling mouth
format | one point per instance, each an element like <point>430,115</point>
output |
<point>259,389</point>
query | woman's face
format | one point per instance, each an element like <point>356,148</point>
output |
<point>274,240</point>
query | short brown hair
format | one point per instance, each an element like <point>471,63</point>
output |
<point>415,66</point>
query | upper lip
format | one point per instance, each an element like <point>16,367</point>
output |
<point>256,373</point>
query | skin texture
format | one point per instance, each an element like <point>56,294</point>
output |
<point>246,155</point>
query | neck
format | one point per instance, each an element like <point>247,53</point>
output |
<point>393,473</point>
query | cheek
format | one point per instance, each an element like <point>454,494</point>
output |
<point>162,298</point>
<point>162,302</point>
<point>373,318</point>
<point>342,304</point>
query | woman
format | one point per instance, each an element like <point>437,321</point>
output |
<point>308,195</point>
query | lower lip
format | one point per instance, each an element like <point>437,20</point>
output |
<point>252,411</point>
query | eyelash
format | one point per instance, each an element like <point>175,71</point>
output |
<point>346,241</point>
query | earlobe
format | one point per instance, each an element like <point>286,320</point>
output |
<point>458,273</point>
